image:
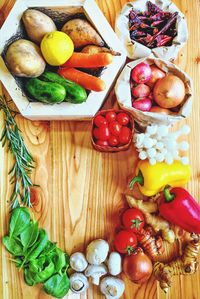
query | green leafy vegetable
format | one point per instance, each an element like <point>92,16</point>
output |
<point>29,235</point>
<point>57,285</point>
<point>13,246</point>
<point>19,221</point>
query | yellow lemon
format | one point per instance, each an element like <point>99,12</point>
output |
<point>57,47</point>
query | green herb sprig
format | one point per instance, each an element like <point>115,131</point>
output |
<point>23,165</point>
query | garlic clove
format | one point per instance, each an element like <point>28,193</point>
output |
<point>185,160</point>
<point>169,159</point>
<point>152,130</point>
<point>142,155</point>
<point>162,130</point>
<point>159,145</point>
<point>160,157</point>
<point>151,152</point>
<point>152,161</point>
<point>183,146</point>
<point>148,142</point>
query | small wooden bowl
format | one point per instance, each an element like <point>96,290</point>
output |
<point>108,148</point>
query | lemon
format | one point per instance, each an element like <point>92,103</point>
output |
<point>57,47</point>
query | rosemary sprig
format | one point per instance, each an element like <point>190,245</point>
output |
<point>23,165</point>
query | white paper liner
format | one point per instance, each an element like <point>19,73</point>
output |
<point>123,93</point>
<point>136,50</point>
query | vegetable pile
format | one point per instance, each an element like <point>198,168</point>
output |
<point>154,27</point>
<point>42,261</point>
<point>153,90</point>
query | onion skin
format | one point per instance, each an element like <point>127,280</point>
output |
<point>141,73</point>
<point>140,91</point>
<point>157,109</point>
<point>137,267</point>
<point>156,74</point>
<point>169,91</point>
<point>142,104</point>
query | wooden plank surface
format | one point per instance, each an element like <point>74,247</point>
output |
<point>80,194</point>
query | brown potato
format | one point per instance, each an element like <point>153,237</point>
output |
<point>82,33</point>
<point>91,49</point>
<point>24,59</point>
<point>37,24</point>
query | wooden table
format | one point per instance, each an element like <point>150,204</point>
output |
<point>80,194</point>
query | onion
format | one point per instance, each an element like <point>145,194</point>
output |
<point>140,91</point>
<point>143,104</point>
<point>141,73</point>
<point>137,266</point>
<point>156,74</point>
<point>169,91</point>
<point>157,109</point>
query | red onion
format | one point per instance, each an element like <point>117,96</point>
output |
<point>143,104</point>
<point>156,73</point>
<point>141,73</point>
<point>140,91</point>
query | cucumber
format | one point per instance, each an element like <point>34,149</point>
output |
<point>75,93</point>
<point>45,92</point>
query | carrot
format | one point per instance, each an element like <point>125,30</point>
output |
<point>85,80</point>
<point>85,60</point>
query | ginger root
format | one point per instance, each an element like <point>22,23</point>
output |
<point>157,222</point>
<point>186,264</point>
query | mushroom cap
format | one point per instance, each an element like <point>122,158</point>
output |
<point>97,252</point>
<point>114,263</point>
<point>112,287</point>
<point>78,261</point>
<point>78,283</point>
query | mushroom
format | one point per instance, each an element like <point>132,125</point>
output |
<point>78,283</point>
<point>97,251</point>
<point>78,262</point>
<point>114,263</point>
<point>95,272</point>
<point>112,287</point>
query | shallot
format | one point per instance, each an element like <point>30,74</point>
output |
<point>141,73</point>
<point>140,91</point>
<point>143,104</point>
<point>156,73</point>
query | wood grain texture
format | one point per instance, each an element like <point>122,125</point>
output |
<point>80,195</point>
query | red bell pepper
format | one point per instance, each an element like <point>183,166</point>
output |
<point>179,207</point>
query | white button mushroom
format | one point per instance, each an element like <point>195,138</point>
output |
<point>97,252</point>
<point>114,263</point>
<point>78,283</point>
<point>112,288</point>
<point>95,272</point>
<point>78,262</point>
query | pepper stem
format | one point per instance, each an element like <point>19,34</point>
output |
<point>137,179</point>
<point>168,196</point>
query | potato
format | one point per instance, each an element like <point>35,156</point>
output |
<point>91,49</point>
<point>37,24</point>
<point>82,33</point>
<point>24,59</point>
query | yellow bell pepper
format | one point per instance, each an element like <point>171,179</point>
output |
<point>152,179</point>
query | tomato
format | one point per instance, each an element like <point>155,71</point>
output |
<point>114,128</point>
<point>125,241</point>
<point>104,133</point>
<point>110,116</point>
<point>100,120</point>
<point>133,220</point>
<point>96,133</point>
<point>123,119</point>
<point>125,135</point>
<point>113,140</point>
<point>102,142</point>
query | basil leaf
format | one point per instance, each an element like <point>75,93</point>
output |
<point>29,235</point>
<point>59,260</point>
<point>19,220</point>
<point>13,246</point>
<point>43,275</point>
<point>28,278</point>
<point>57,286</point>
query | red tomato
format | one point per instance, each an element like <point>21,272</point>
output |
<point>104,133</point>
<point>102,142</point>
<point>125,241</point>
<point>133,220</point>
<point>125,135</point>
<point>110,116</point>
<point>114,128</point>
<point>100,120</point>
<point>123,119</point>
<point>113,140</point>
<point>96,133</point>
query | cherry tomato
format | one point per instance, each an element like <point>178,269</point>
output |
<point>113,140</point>
<point>123,119</point>
<point>96,133</point>
<point>133,220</point>
<point>100,120</point>
<point>102,142</point>
<point>125,135</point>
<point>110,116</point>
<point>114,128</point>
<point>104,133</point>
<point>125,241</point>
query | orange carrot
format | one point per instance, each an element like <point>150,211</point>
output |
<point>85,80</point>
<point>85,60</point>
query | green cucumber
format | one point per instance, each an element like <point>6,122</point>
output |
<point>75,93</point>
<point>46,92</point>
